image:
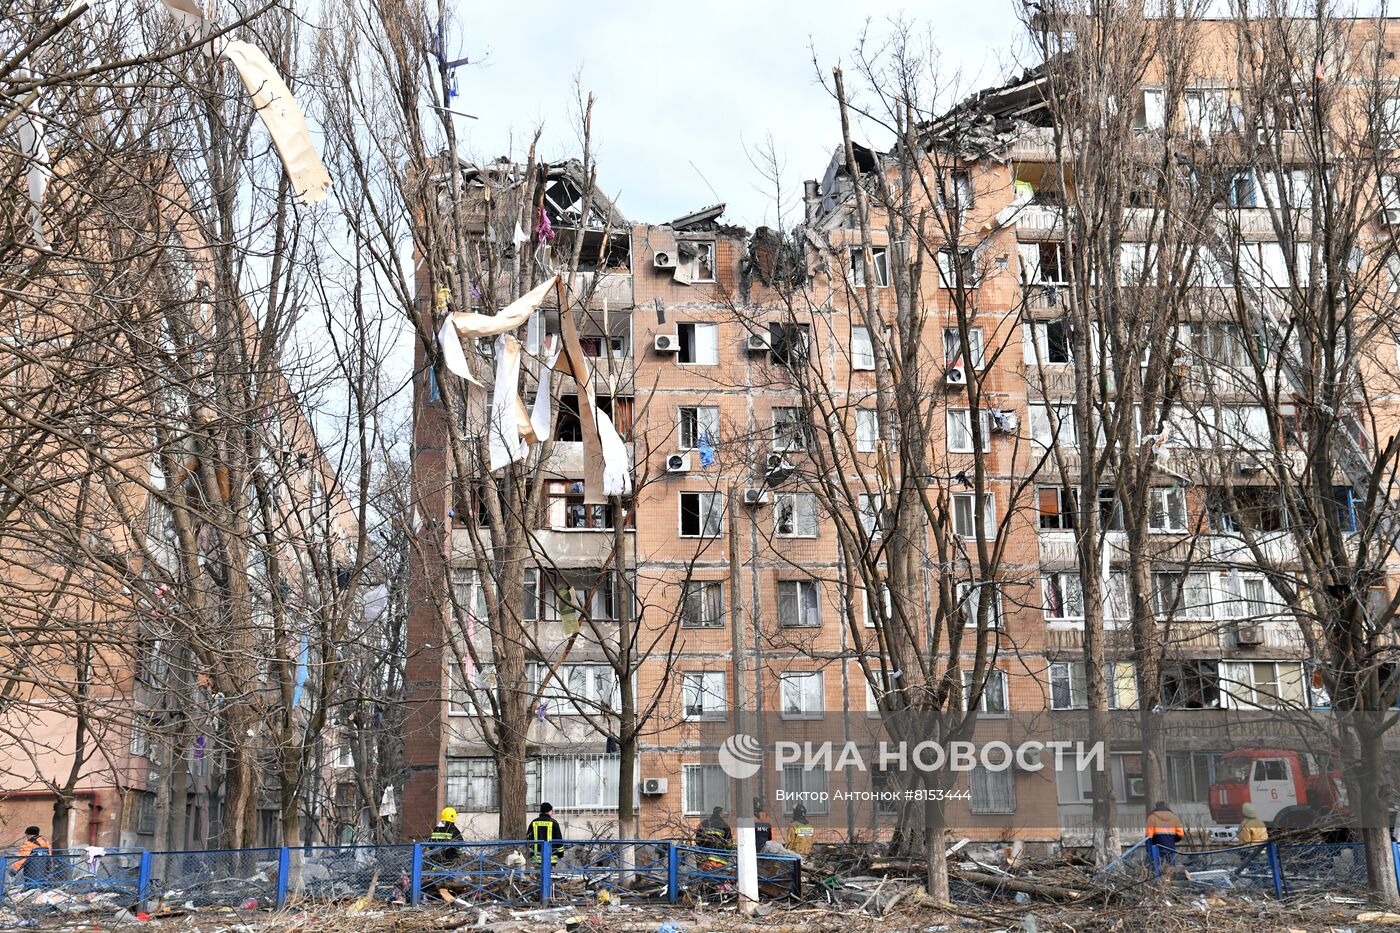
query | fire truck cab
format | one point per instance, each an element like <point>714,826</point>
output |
<point>1290,789</point>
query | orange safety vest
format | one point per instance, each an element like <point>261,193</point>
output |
<point>1164,823</point>
<point>28,848</point>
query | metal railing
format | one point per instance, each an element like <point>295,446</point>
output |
<point>479,873</point>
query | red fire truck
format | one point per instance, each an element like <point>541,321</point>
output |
<point>1291,790</point>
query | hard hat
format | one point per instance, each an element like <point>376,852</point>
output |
<point>449,815</point>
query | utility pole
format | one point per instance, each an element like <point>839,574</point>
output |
<point>743,803</point>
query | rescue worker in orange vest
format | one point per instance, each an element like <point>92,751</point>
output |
<point>34,856</point>
<point>1164,831</point>
<point>545,828</point>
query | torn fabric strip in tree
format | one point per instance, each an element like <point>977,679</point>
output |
<point>285,122</point>
<point>461,325</point>
<point>31,128</point>
<point>511,430</point>
<point>542,414</point>
<point>186,14</point>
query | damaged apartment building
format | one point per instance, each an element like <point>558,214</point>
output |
<point>694,329</point>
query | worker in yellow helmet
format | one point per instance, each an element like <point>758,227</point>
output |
<point>446,831</point>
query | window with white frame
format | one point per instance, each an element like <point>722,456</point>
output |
<point>880,262</point>
<point>867,430</point>
<point>704,787</point>
<point>1044,263</point>
<point>953,347</point>
<point>871,612</point>
<point>960,430</point>
<point>970,596</point>
<point>1057,508</point>
<point>791,430</point>
<point>1151,110</point>
<point>803,694</point>
<point>1183,595</point>
<point>795,515</point>
<point>1190,685</point>
<point>862,350</point>
<point>1063,595</point>
<point>1069,689</point>
<point>1053,425</point>
<point>1390,123</point>
<point>1257,598</point>
<point>807,787</point>
<point>699,343</point>
<point>704,695</point>
<point>575,782</point>
<point>960,272</point>
<point>140,737</point>
<point>1047,342</point>
<point>966,514</point>
<point>954,193</point>
<point>698,422</point>
<point>799,603</point>
<point>702,514</point>
<point>1208,111</point>
<point>702,258</point>
<point>994,700</point>
<point>1166,509</point>
<point>577,596</point>
<point>470,694</point>
<point>468,593</point>
<point>344,756</point>
<point>575,689</point>
<point>702,604</point>
<point>992,791</point>
<point>871,507</point>
<point>471,785</point>
<point>1263,684</point>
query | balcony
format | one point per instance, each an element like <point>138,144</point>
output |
<point>611,290</point>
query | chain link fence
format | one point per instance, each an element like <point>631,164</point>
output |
<point>1335,867</point>
<point>482,872</point>
<point>330,874</point>
<point>639,868</point>
<point>72,879</point>
<point>224,877</point>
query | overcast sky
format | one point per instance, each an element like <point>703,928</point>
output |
<point>678,83</point>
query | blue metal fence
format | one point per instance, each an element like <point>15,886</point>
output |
<point>520,871</point>
<point>112,877</point>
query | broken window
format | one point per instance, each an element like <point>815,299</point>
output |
<point>789,343</point>
<point>1056,508</point>
<point>1190,685</point>
<point>953,347</point>
<point>697,423</point>
<point>702,514</point>
<point>791,430</point>
<point>880,262</point>
<point>567,508</point>
<point>1183,595</point>
<point>1048,342</point>
<point>1150,113</point>
<point>795,515</point>
<point>1166,509</point>
<point>568,426</point>
<point>697,260</point>
<point>961,272</point>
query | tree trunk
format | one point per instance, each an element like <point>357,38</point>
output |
<point>58,835</point>
<point>1370,810</point>
<point>935,852</point>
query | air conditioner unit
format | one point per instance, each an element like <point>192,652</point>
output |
<point>678,463</point>
<point>956,376</point>
<point>755,496</point>
<point>757,343</point>
<point>1027,758</point>
<point>1137,787</point>
<point>653,787</point>
<point>667,343</point>
<point>1248,467</point>
<point>1249,636</point>
<point>1391,217</point>
<point>663,260</point>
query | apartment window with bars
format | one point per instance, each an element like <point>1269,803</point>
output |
<point>806,787</point>
<point>992,791</point>
<point>471,785</point>
<point>704,788</point>
<point>575,782</point>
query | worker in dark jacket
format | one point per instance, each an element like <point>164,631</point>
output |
<point>35,855</point>
<point>762,829</point>
<point>1164,830</point>
<point>713,832</point>
<point>545,828</point>
<point>446,831</point>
